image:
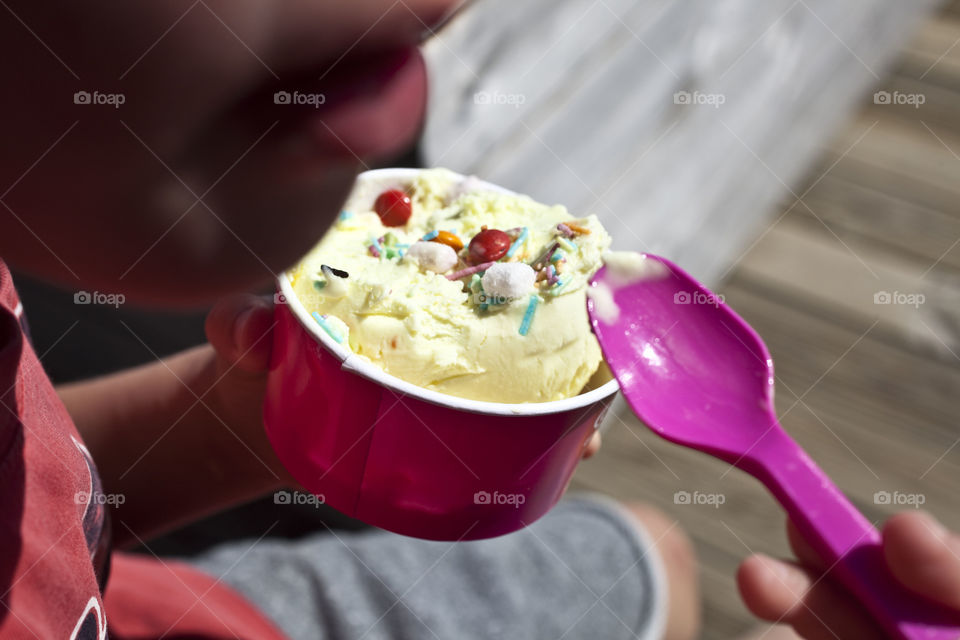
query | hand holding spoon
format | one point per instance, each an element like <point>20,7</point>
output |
<point>698,375</point>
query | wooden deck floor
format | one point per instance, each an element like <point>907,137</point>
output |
<point>872,391</point>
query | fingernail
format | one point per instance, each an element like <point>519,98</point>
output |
<point>782,572</point>
<point>934,525</point>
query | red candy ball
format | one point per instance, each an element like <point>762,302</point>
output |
<point>489,245</point>
<point>393,207</point>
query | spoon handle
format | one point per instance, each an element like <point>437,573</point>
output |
<point>847,542</point>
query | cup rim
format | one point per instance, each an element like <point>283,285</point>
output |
<point>353,363</point>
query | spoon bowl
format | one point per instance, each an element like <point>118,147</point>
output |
<point>697,374</point>
<point>695,366</point>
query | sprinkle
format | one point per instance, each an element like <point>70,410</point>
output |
<point>375,248</point>
<point>345,215</point>
<point>566,244</point>
<point>327,270</point>
<point>430,236</point>
<point>565,230</point>
<point>578,229</point>
<point>333,333</point>
<point>456,275</point>
<point>319,284</point>
<point>545,256</point>
<point>528,314</point>
<point>557,256</point>
<point>557,288</point>
<point>551,272</point>
<point>519,241</point>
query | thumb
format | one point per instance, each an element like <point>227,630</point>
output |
<point>924,556</point>
<point>240,329</point>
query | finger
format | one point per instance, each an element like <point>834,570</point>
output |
<point>802,549</point>
<point>239,328</point>
<point>593,446</point>
<point>779,591</point>
<point>924,556</point>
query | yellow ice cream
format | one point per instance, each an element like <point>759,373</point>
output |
<point>448,335</point>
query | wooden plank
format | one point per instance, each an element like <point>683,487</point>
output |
<point>599,130</point>
<point>891,222</point>
<point>808,264</point>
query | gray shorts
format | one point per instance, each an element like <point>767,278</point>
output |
<point>582,571</point>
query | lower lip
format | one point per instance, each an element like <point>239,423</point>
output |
<point>374,108</point>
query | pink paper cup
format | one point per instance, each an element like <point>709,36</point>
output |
<point>408,459</point>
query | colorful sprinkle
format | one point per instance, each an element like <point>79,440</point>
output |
<point>456,275</point>
<point>375,248</point>
<point>565,230</point>
<point>557,256</point>
<point>528,314</point>
<point>557,288</point>
<point>567,244</point>
<point>578,229</point>
<point>430,236</point>
<point>333,333</point>
<point>519,241</point>
<point>345,215</point>
<point>544,257</point>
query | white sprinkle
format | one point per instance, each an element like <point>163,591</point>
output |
<point>432,256</point>
<point>508,280</point>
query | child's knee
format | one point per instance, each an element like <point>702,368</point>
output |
<point>680,561</point>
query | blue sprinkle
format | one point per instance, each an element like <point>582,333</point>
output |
<point>345,215</point>
<point>557,256</point>
<point>516,243</point>
<point>322,321</point>
<point>376,245</point>
<point>430,236</point>
<point>561,283</point>
<point>528,314</point>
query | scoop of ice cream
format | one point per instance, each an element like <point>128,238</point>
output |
<point>417,303</point>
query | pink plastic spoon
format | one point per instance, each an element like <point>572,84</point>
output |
<point>699,376</point>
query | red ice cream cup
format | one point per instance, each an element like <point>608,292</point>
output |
<point>408,459</point>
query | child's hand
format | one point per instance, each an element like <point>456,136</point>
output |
<point>923,555</point>
<point>240,329</point>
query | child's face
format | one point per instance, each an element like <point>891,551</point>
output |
<point>176,170</point>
